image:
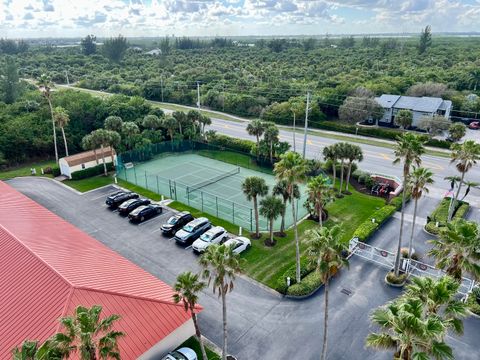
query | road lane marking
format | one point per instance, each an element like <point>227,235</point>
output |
<point>385,156</point>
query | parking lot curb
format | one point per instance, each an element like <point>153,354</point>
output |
<point>209,343</point>
<point>259,284</point>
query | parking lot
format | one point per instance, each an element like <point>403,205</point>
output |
<point>261,324</point>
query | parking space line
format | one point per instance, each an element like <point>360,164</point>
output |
<point>147,221</point>
<point>98,197</point>
<point>154,231</point>
<point>188,247</point>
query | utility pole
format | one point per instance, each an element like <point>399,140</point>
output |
<point>66,74</point>
<point>294,133</point>
<point>161,86</point>
<point>306,125</point>
<point>198,94</point>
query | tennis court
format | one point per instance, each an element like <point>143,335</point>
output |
<point>206,184</point>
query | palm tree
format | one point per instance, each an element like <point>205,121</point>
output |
<point>420,178</point>
<point>342,150</point>
<point>102,138</point>
<point>466,156</point>
<point>204,121</point>
<point>91,336</point>
<point>474,77</point>
<point>181,119</point>
<point>330,153</point>
<point>45,85</point>
<point>456,249</point>
<point>281,189</point>
<point>354,153</point>
<point>293,169</point>
<point>31,350</point>
<point>61,119</point>
<point>253,187</point>
<point>439,298</point>
<point>256,128</point>
<point>129,130</point>
<point>171,124</point>
<point>113,123</point>
<point>320,192</point>
<point>271,208</point>
<point>408,331</point>
<point>113,140</point>
<point>469,185</point>
<point>325,248</point>
<point>220,266</point>
<point>187,288</point>
<point>271,137</point>
<point>409,148</point>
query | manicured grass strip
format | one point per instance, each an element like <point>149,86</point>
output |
<point>24,170</point>
<point>89,183</point>
<point>231,228</point>
<point>193,344</point>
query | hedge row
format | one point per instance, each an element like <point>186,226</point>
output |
<point>440,215</point>
<point>382,133</point>
<point>232,143</point>
<point>291,273</point>
<point>308,285</point>
<point>93,171</point>
<point>367,228</point>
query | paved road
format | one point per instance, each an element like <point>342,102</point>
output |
<point>376,159</point>
<point>261,325</point>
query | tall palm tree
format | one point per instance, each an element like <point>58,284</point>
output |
<point>271,137</point>
<point>129,130</point>
<point>62,119</point>
<point>256,128</point>
<point>187,287</point>
<point>469,185</point>
<point>354,153</point>
<point>330,153</point>
<point>293,169</point>
<point>182,120</point>
<point>204,121</point>
<point>170,124</point>
<point>342,150</point>
<point>271,208</point>
<point>113,123</point>
<point>409,149</point>
<point>45,85</point>
<point>474,77</point>
<point>418,182</point>
<point>253,187</point>
<point>325,248</point>
<point>320,192</point>
<point>408,331</point>
<point>439,298</point>
<point>102,138</point>
<point>465,156</point>
<point>93,338</point>
<point>456,249</point>
<point>281,189</point>
<point>220,266</point>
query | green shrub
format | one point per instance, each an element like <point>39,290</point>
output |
<point>229,142</point>
<point>392,279</point>
<point>440,215</point>
<point>473,301</point>
<point>93,171</point>
<point>56,171</point>
<point>309,284</point>
<point>397,200</point>
<point>291,272</point>
<point>357,174</point>
<point>368,228</point>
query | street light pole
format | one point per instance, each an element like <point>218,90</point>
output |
<point>198,94</point>
<point>306,125</point>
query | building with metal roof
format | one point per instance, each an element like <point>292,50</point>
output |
<point>48,267</point>
<point>419,106</point>
<point>85,160</point>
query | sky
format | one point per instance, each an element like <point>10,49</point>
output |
<point>77,18</point>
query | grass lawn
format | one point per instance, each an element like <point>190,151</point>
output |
<point>193,344</point>
<point>24,170</point>
<point>267,264</point>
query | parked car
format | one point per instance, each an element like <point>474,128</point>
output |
<point>130,205</point>
<point>192,231</point>
<point>145,212</point>
<point>176,222</point>
<point>114,200</point>
<point>474,125</point>
<point>183,353</point>
<point>216,235</point>
<point>240,244</point>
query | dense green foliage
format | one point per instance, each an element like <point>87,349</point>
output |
<point>440,215</point>
<point>245,80</point>
<point>374,221</point>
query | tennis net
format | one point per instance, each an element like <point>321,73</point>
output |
<point>213,180</point>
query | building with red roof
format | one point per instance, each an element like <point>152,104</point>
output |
<point>49,266</point>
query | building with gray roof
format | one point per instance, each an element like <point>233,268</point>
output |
<point>419,106</point>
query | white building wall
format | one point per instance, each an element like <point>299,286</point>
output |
<point>169,343</point>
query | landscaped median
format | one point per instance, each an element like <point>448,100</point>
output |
<point>438,218</point>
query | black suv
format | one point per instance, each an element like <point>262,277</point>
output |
<point>131,205</point>
<point>145,212</point>
<point>176,222</point>
<point>192,231</point>
<point>119,197</point>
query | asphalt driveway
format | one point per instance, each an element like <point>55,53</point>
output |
<point>262,325</point>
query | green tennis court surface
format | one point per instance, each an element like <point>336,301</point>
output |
<point>206,184</point>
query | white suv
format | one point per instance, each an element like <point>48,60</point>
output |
<point>215,235</point>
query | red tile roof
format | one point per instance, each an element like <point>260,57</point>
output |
<point>48,267</point>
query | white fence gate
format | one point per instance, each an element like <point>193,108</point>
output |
<point>412,267</point>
